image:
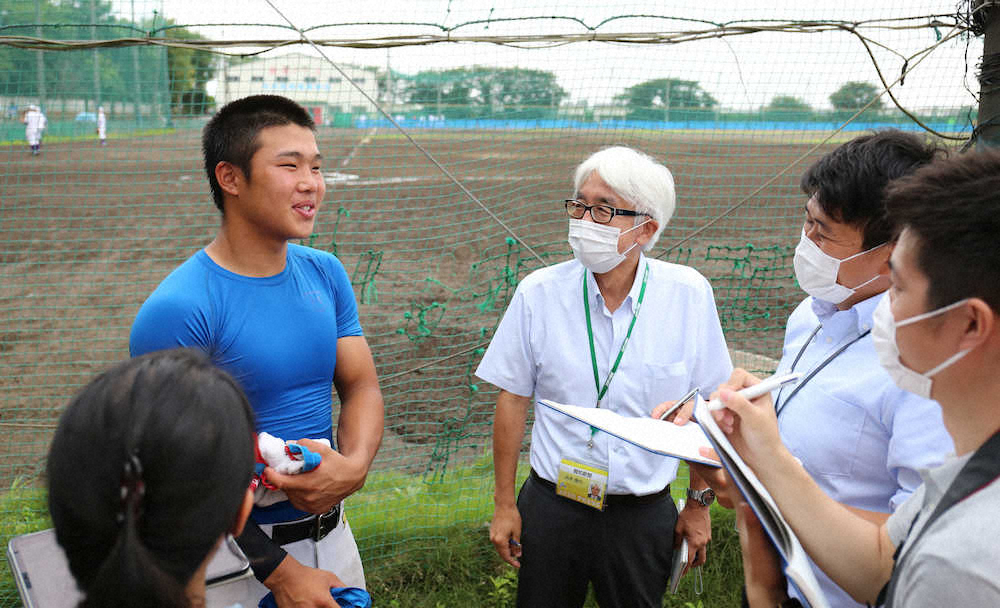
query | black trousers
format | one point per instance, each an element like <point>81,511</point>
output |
<point>625,551</point>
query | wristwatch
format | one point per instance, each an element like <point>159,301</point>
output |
<point>702,497</point>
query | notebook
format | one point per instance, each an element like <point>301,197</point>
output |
<point>797,568</point>
<point>657,436</point>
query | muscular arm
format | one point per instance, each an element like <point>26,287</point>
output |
<point>362,411</point>
<point>359,434</point>
<point>508,433</point>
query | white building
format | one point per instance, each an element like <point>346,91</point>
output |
<point>309,80</point>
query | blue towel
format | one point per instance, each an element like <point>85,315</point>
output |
<point>310,460</point>
<point>347,597</point>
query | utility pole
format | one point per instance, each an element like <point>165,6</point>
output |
<point>666,101</point>
<point>390,98</point>
<point>136,85</point>
<point>989,74</point>
<point>97,57</point>
<point>39,55</point>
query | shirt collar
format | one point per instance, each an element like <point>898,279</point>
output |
<point>866,311</point>
<point>859,315</point>
<point>633,292</point>
<point>640,269</point>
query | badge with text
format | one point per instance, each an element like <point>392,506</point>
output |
<point>584,483</point>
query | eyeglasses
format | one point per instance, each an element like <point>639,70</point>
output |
<point>602,214</point>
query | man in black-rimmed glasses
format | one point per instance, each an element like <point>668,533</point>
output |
<point>610,329</point>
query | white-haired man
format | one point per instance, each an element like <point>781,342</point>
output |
<point>612,329</point>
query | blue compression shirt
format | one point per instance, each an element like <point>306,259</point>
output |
<point>276,335</point>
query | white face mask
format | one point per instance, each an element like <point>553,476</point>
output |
<point>816,272</point>
<point>884,339</point>
<point>596,245</point>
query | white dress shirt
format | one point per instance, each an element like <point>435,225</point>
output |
<point>541,349</point>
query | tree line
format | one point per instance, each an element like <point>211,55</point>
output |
<point>144,75</point>
<point>176,78</point>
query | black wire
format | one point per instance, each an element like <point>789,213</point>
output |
<point>989,74</point>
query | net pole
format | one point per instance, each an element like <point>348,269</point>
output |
<point>989,91</point>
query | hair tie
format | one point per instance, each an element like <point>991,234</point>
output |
<point>132,489</point>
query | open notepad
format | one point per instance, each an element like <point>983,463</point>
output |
<point>657,436</point>
<point>684,442</point>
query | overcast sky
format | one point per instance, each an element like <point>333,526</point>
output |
<point>741,72</point>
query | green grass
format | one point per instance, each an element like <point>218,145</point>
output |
<point>425,544</point>
<point>437,554</point>
<point>459,568</point>
<point>19,140</point>
<point>23,509</point>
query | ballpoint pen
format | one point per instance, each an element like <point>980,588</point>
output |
<point>687,396</point>
<point>761,388</point>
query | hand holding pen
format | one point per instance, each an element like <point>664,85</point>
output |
<point>680,410</point>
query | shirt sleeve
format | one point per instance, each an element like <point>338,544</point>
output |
<point>918,440</point>
<point>712,365</point>
<point>509,363</point>
<point>899,523</point>
<point>348,323</point>
<point>164,322</point>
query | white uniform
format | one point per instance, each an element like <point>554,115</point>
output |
<point>102,125</point>
<point>34,122</point>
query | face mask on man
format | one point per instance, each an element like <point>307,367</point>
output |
<point>596,245</point>
<point>884,339</point>
<point>816,271</point>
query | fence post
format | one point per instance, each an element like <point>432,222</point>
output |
<point>40,56</point>
<point>989,87</point>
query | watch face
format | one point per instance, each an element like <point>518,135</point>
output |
<point>704,497</point>
<point>708,497</point>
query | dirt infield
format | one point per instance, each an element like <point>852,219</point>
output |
<point>87,232</point>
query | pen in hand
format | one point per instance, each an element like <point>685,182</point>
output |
<point>761,388</point>
<point>677,404</point>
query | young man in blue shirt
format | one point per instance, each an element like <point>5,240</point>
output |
<point>282,319</point>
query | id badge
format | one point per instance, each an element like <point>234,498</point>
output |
<point>584,483</point>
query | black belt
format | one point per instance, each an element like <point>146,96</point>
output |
<point>612,500</point>
<point>315,527</point>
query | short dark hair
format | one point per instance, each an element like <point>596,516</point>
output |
<point>231,135</point>
<point>183,429</point>
<point>849,182</point>
<point>952,207</point>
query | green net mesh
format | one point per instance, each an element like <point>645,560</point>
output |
<point>508,98</point>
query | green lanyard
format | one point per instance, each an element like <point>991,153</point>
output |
<point>602,390</point>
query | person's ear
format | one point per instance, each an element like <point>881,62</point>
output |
<point>883,268</point>
<point>647,231</point>
<point>229,177</point>
<point>241,516</point>
<point>980,324</point>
